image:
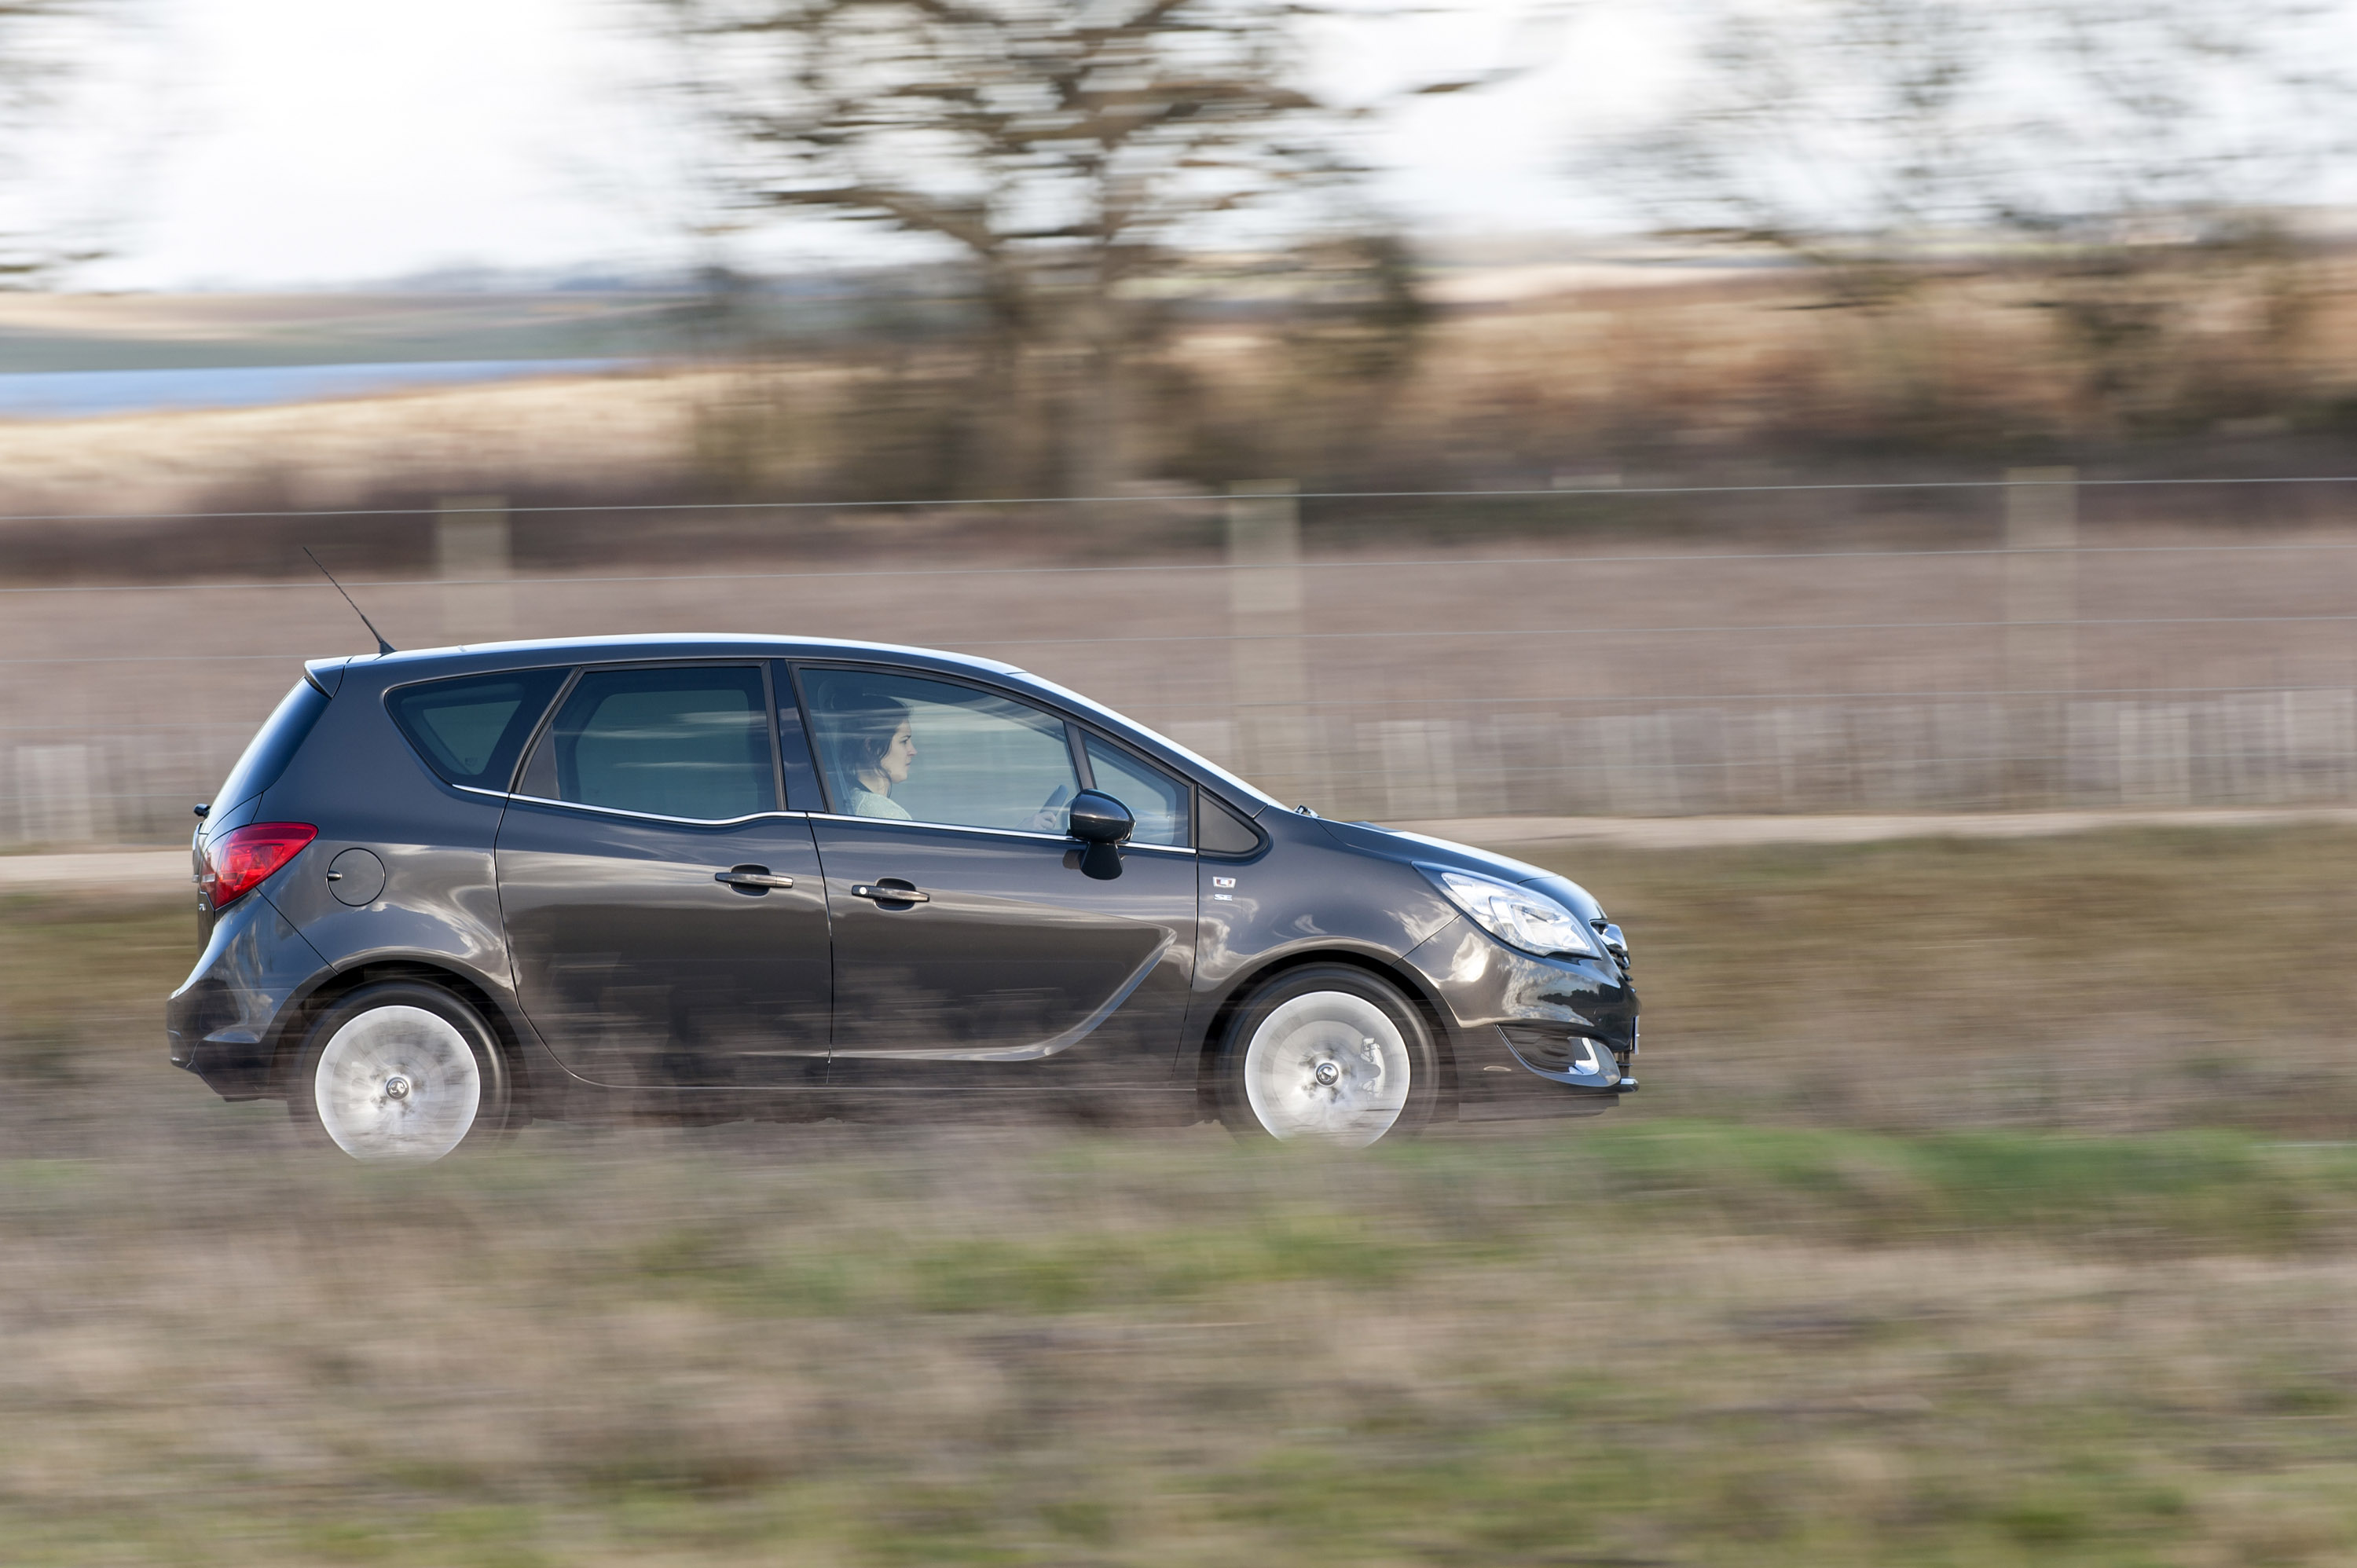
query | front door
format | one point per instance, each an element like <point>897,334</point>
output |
<point>966,939</point>
<point>667,921</point>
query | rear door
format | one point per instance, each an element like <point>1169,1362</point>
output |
<point>967,942</point>
<point>664,906</point>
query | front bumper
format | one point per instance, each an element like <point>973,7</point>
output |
<point>1533,1036</point>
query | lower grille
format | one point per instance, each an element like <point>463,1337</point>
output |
<point>1552,1047</point>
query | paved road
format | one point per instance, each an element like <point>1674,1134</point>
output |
<point>159,871</point>
<point>166,871</point>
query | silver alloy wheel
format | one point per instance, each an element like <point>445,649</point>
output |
<point>1328,1066</point>
<point>397,1083</point>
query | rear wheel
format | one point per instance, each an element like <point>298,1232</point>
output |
<point>1328,1054</point>
<point>399,1073</point>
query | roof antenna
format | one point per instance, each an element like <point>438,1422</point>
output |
<point>382,647</point>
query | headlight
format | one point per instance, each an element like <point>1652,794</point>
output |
<point>1518,917</point>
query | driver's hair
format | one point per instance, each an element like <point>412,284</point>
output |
<point>856,731</point>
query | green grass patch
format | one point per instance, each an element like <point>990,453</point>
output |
<point>2114,982</point>
<point>2204,1191</point>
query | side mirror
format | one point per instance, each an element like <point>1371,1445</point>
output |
<point>1101,823</point>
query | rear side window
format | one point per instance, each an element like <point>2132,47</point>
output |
<point>470,729</point>
<point>272,746</point>
<point>672,741</point>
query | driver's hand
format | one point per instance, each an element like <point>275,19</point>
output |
<point>1051,816</point>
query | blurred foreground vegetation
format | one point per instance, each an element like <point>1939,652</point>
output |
<point>1925,1320</point>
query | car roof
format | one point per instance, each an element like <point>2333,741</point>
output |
<point>391,669</point>
<point>381,671</point>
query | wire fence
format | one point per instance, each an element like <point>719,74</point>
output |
<point>2165,668</point>
<point>2018,480</point>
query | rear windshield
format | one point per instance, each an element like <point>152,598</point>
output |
<point>470,730</point>
<point>272,746</point>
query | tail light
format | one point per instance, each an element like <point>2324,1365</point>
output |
<point>242,859</point>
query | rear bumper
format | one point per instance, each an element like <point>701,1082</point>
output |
<point>232,1068</point>
<point>222,1024</point>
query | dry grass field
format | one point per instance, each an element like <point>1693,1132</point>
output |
<point>1516,377</point>
<point>1986,1205</point>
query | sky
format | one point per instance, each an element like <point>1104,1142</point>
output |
<point>259,144</point>
<point>277,144</point>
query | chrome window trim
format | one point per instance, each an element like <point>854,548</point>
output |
<point>1065,838</point>
<point>641,816</point>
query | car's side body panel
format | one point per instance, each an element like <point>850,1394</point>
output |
<point>361,785</point>
<point>1302,897</point>
<point>1018,972</point>
<point>641,970</point>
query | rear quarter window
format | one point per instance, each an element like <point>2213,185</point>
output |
<point>470,730</point>
<point>274,745</point>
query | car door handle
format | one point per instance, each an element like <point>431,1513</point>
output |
<point>889,894</point>
<point>752,876</point>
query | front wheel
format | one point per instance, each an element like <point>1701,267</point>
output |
<point>1328,1055</point>
<point>399,1073</point>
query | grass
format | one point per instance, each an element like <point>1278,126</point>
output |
<point>1680,1343</point>
<point>1730,1324</point>
<point>2111,982</point>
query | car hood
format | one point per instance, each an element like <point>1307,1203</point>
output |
<point>1417,849</point>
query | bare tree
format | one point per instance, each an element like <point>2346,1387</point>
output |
<point>1074,152</point>
<point>2109,145</point>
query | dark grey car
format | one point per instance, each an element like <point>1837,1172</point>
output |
<point>447,893</point>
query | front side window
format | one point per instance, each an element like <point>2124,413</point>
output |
<point>470,729</point>
<point>1157,800</point>
<point>908,750</point>
<point>672,741</point>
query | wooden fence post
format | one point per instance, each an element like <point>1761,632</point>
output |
<point>1268,662</point>
<point>473,555</point>
<point>2041,608</point>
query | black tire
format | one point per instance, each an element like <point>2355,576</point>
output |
<point>399,1071</point>
<point>1290,1067</point>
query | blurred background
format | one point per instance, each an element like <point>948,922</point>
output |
<point>1864,486</point>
